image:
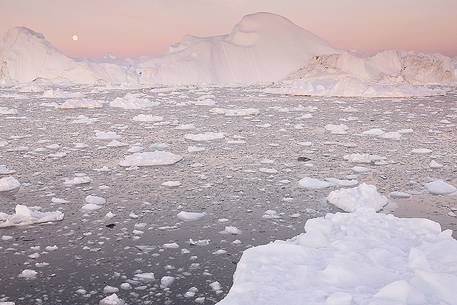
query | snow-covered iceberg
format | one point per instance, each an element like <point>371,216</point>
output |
<point>360,258</point>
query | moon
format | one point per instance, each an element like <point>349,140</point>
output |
<point>75,37</point>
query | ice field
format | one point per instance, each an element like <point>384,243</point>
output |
<point>153,194</point>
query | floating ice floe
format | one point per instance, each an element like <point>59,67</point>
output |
<point>204,137</point>
<point>421,151</point>
<point>351,199</point>
<point>8,184</point>
<point>337,129</point>
<point>78,180</point>
<point>363,158</point>
<point>144,277</point>
<point>317,184</point>
<point>112,300</point>
<point>236,111</point>
<point>360,258</point>
<point>27,216</point>
<point>155,158</point>
<point>106,135</point>
<point>313,183</point>
<point>440,187</point>
<point>147,118</point>
<point>76,104</point>
<point>434,164</point>
<point>171,183</point>
<point>190,216</point>
<point>132,101</point>
<point>166,281</point>
<point>8,111</point>
<point>28,274</point>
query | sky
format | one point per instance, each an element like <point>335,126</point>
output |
<point>147,27</point>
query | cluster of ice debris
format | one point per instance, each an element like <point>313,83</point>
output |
<point>261,48</point>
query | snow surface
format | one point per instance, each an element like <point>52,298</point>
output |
<point>360,258</point>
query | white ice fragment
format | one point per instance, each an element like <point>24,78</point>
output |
<point>155,158</point>
<point>8,184</point>
<point>345,254</point>
<point>147,118</point>
<point>28,274</point>
<point>144,277</point>
<point>434,164</point>
<point>440,187</point>
<point>110,289</point>
<point>112,300</point>
<point>337,129</point>
<point>421,151</point>
<point>91,199</point>
<point>363,158</point>
<point>106,135</point>
<point>132,101</point>
<point>190,216</point>
<point>399,195</point>
<point>231,230</point>
<point>28,216</point>
<point>204,137</point>
<point>313,183</point>
<point>362,196</point>
<point>235,111</point>
<point>166,281</point>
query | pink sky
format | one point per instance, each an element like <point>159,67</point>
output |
<point>148,27</point>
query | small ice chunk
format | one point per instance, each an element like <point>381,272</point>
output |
<point>421,151</point>
<point>112,300</point>
<point>144,277</point>
<point>91,199</point>
<point>313,183</point>
<point>166,281</point>
<point>110,289</point>
<point>399,195</point>
<point>204,137</point>
<point>28,274</point>
<point>363,158</point>
<point>8,184</point>
<point>440,187</point>
<point>337,129</point>
<point>434,164</point>
<point>362,196</point>
<point>190,216</point>
<point>27,216</point>
<point>155,158</point>
<point>171,183</point>
<point>231,230</point>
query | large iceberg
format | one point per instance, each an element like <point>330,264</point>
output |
<point>261,48</point>
<point>385,74</point>
<point>26,56</point>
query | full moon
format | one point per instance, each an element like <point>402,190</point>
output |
<point>75,37</point>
